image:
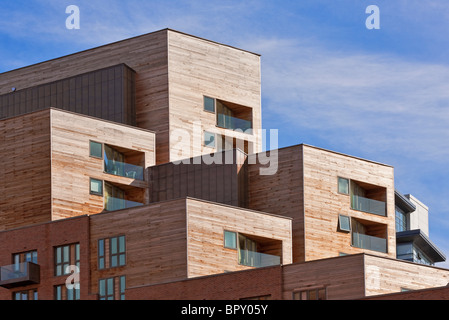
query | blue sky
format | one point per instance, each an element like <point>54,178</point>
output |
<point>327,80</point>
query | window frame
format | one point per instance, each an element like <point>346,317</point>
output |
<point>109,293</point>
<point>101,257</point>
<point>338,186</point>
<point>73,258</point>
<point>340,217</point>
<point>215,139</point>
<point>95,193</point>
<point>204,104</point>
<point>90,150</point>
<point>119,254</point>
<point>305,293</point>
<point>235,240</point>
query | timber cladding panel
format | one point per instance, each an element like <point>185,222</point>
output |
<point>384,276</point>
<point>207,222</point>
<point>195,67</point>
<point>156,249</point>
<point>48,166</point>
<point>178,239</point>
<point>146,55</point>
<point>323,203</point>
<point>25,173</point>
<point>342,277</point>
<point>280,193</point>
<point>72,166</point>
<point>199,68</point>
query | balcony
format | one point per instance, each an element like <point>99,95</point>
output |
<point>18,275</point>
<point>233,123</point>
<point>112,204</point>
<point>257,259</point>
<point>368,205</point>
<point>124,162</point>
<point>233,116</point>
<point>364,241</point>
<point>368,198</point>
<point>123,169</point>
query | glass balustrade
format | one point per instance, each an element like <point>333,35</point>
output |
<point>364,241</point>
<point>233,123</point>
<point>123,169</point>
<point>112,204</point>
<point>19,274</point>
<point>368,205</point>
<point>257,259</point>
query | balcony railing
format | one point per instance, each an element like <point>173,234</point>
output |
<point>364,241</point>
<point>233,123</point>
<point>369,205</point>
<point>123,169</point>
<point>113,204</point>
<point>21,274</point>
<point>257,259</point>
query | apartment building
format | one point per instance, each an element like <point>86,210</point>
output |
<point>137,167</point>
<point>412,231</point>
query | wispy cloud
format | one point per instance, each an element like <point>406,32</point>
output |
<point>374,102</point>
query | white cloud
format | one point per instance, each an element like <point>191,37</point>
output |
<point>382,102</point>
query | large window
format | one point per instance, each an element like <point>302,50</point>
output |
<point>106,288</point>
<point>61,292</point>
<point>115,251</point>
<point>29,256</point>
<point>118,253</point>
<point>25,295</point>
<point>66,256</point>
<point>401,220</point>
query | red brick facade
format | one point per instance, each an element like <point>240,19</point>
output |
<point>260,282</point>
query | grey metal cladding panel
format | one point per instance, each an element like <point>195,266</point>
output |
<point>99,93</point>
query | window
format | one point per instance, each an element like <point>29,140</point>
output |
<point>30,256</point>
<point>209,104</point>
<point>112,252</point>
<point>209,139</point>
<point>122,287</point>
<point>343,185</point>
<point>96,187</point>
<point>96,149</point>
<point>66,256</point>
<point>61,292</point>
<point>230,240</point>
<point>118,255</point>
<point>344,223</point>
<point>101,255</point>
<point>25,295</point>
<point>401,220</point>
<point>310,294</point>
<point>106,289</point>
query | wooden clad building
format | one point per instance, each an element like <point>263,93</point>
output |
<point>138,167</point>
<point>49,165</point>
<point>170,79</point>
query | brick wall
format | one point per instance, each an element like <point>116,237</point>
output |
<point>227,286</point>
